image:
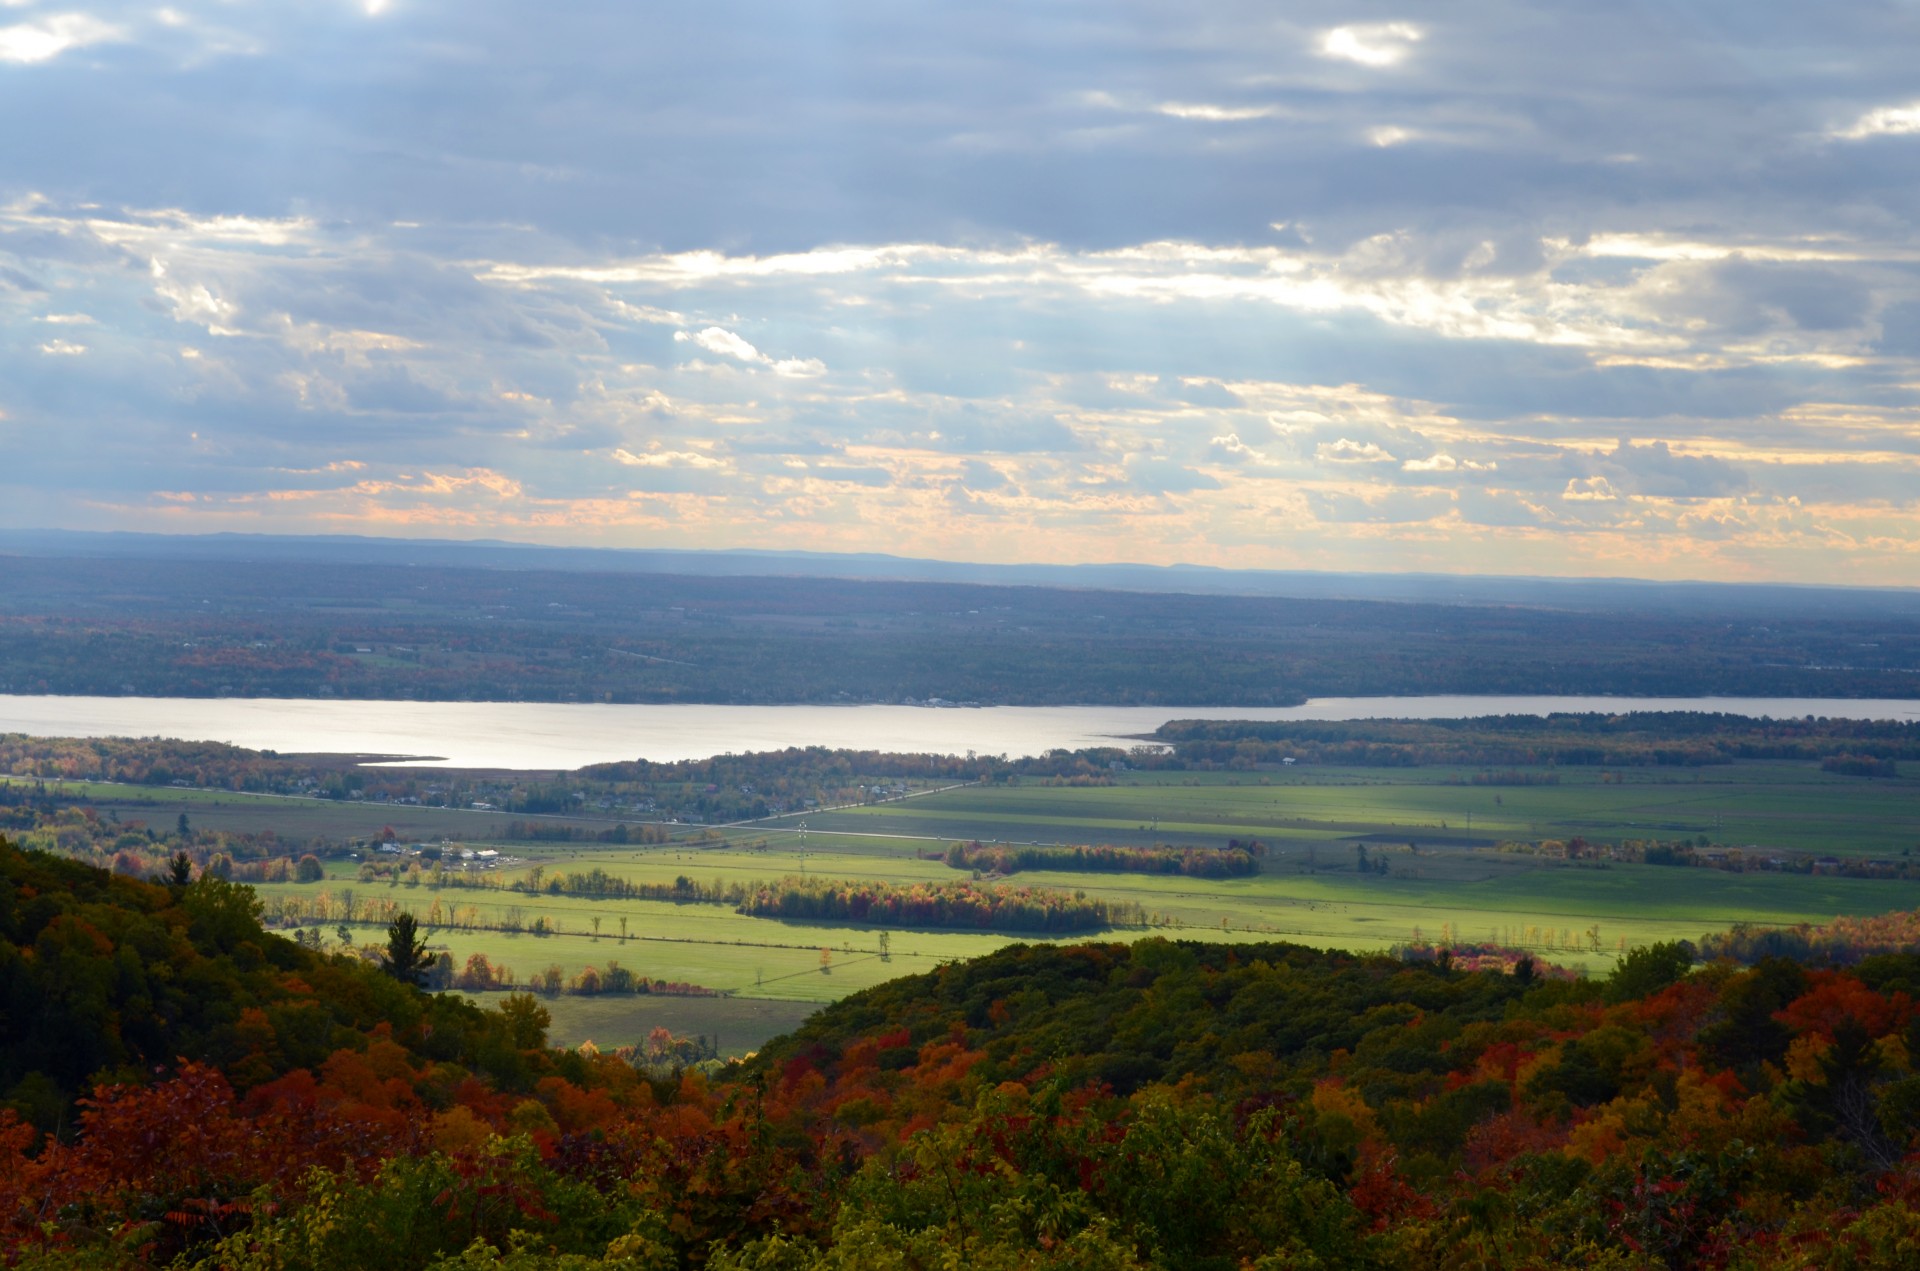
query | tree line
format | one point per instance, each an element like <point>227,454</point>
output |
<point>1237,860</point>
<point>1628,739</point>
<point>1000,908</point>
<point>1846,941</point>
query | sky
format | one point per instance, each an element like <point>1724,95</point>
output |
<point>1485,287</point>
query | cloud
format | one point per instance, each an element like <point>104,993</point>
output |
<point>1155,475</point>
<point>395,389</point>
<point>1370,44</point>
<point>975,475</point>
<point>1592,489</point>
<point>729,344</point>
<point>1230,449</point>
<point>1381,508</point>
<point>991,430</point>
<point>18,281</point>
<point>1500,509</point>
<point>1346,450</point>
<point>667,459</point>
<point>49,37</point>
<point>870,477</point>
<point>1883,121</point>
<point>1210,113</point>
<point>1447,463</point>
<point>1655,469</point>
<point>817,293</point>
<point>722,341</point>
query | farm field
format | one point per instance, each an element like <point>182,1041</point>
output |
<point>707,945</point>
<point>1313,819</point>
<point>738,1025</point>
<point>290,816</point>
<point>1777,805</point>
<point>1552,908</point>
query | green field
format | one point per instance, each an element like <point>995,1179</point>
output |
<point>289,816</point>
<point>738,1025</point>
<point>1784,806</point>
<point>1450,881</point>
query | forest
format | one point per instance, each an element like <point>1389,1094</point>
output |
<point>159,626</point>
<point>184,1089</point>
<point>1236,860</point>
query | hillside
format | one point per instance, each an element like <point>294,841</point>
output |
<point>246,1102</point>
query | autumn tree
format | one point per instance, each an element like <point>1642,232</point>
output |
<point>527,1021</point>
<point>1646,971</point>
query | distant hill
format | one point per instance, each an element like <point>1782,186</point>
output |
<point>237,616</point>
<point>1603,594</point>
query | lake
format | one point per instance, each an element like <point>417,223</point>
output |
<point>542,735</point>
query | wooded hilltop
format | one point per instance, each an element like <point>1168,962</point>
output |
<point>183,1088</point>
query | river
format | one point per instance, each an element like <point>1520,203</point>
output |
<point>547,736</point>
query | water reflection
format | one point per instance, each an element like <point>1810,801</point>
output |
<point>538,735</point>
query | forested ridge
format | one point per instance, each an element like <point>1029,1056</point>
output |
<point>184,1089</point>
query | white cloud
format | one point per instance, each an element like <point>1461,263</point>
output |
<point>1375,44</point>
<point>62,348</point>
<point>722,341</point>
<point>1447,463</point>
<point>1211,113</point>
<point>1886,121</point>
<point>1388,135</point>
<point>1589,490</point>
<point>668,459</point>
<point>1346,450</point>
<point>1231,449</point>
<point>49,37</point>
<point>729,344</point>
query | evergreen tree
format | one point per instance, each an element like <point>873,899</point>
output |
<point>406,952</point>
